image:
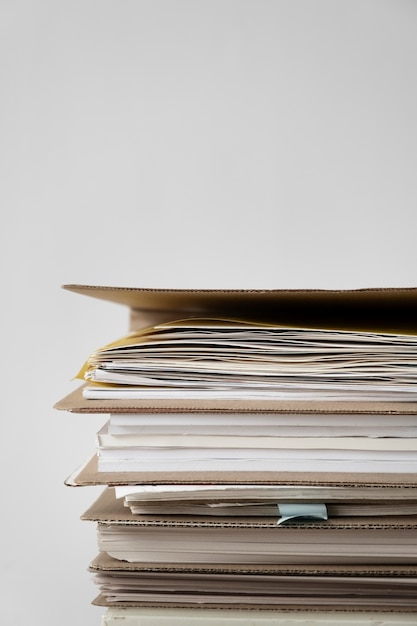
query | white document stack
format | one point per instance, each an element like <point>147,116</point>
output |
<point>258,456</point>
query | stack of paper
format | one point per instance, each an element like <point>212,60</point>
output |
<point>256,447</point>
<point>259,452</point>
<point>236,360</point>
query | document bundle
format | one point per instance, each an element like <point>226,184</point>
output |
<point>258,457</point>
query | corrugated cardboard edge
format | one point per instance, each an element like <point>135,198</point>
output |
<point>100,600</point>
<point>75,402</point>
<point>105,563</point>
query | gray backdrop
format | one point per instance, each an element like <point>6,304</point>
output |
<point>176,143</point>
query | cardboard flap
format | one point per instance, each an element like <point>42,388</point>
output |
<point>389,309</point>
<point>291,613</point>
<point>103,562</point>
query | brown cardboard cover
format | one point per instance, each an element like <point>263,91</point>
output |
<point>100,600</point>
<point>383,309</point>
<point>76,403</point>
<point>105,563</point>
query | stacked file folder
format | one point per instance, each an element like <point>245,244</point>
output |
<point>258,457</point>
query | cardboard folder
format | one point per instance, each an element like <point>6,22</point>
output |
<point>377,310</point>
<point>367,584</point>
<point>316,588</point>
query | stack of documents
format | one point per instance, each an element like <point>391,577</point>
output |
<point>253,442</point>
<point>202,358</point>
<point>258,452</point>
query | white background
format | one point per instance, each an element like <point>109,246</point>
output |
<point>176,143</point>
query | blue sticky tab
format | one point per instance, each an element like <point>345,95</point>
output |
<point>296,512</point>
